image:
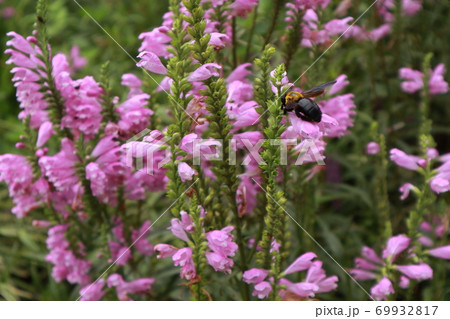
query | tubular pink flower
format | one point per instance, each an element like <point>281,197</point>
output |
<point>93,292</point>
<point>262,289</point>
<point>404,160</point>
<point>301,263</point>
<point>404,282</point>
<point>380,32</point>
<point>383,289</point>
<point>371,255</point>
<point>414,80</point>
<point>341,108</point>
<point>301,289</point>
<point>341,82</point>
<point>337,26</point>
<point>123,288</point>
<point>395,246</point>
<point>157,41</point>
<point>440,252</point>
<point>405,189</point>
<point>183,258</point>
<point>219,40</point>
<point>165,250</point>
<point>221,241</point>
<point>185,172</point>
<point>239,73</point>
<point>372,148</point>
<point>151,62</point>
<point>411,7</point>
<point>254,275</point>
<point>142,244</point>
<point>438,85</point>
<point>77,61</point>
<point>316,275</point>
<point>219,262</point>
<point>187,222</point>
<point>418,272</point>
<point>359,274</point>
<point>242,8</point>
<point>204,72</point>
<point>44,134</point>
<point>177,229</point>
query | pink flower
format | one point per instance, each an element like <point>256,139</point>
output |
<point>372,148</point>
<point>78,62</point>
<point>66,266</point>
<point>134,114</point>
<point>178,230</point>
<point>360,274</point>
<point>405,189</point>
<point>204,72</point>
<point>341,109</point>
<point>254,275</point>
<point>441,252</point>
<point>395,246</point>
<point>157,41</point>
<point>301,263</point>
<point>183,258</point>
<point>185,171</point>
<point>411,7</point>
<point>187,222</point>
<point>414,80</point>
<point>371,255</point>
<point>262,290</point>
<point>337,26</point>
<point>119,253</point>
<point>242,8</point>
<point>221,241</point>
<point>151,62</point>
<point>133,82</point>
<point>140,240</point>
<point>341,82</point>
<point>239,73</point>
<point>380,32</point>
<point>404,282</point>
<point>123,288</point>
<point>437,83</point>
<point>381,290</point>
<point>44,134</point>
<point>17,173</point>
<point>219,40</point>
<point>417,272</point>
<point>60,168</point>
<point>246,195</point>
<point>404,160</point>
<point>93,292</point>
<point>219,262</point>
<point>20,43</point>
<point>301,289</point>
<point>165,250</point>
<point>316,275</point>
<point>82,100</point>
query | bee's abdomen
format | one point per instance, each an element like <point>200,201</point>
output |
<point>310,109</point>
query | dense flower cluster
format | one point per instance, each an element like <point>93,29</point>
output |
<point>315,282</point>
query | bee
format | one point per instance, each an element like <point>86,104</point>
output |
<point>305,108</point>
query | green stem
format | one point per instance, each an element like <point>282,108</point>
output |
<point>251,32</point>
<point>234,42</point>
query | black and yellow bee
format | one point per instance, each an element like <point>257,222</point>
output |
<point>305,108</point>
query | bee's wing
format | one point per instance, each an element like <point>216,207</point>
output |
<point>318,90</point>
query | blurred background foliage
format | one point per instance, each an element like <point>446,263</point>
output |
<point>344,204</point>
